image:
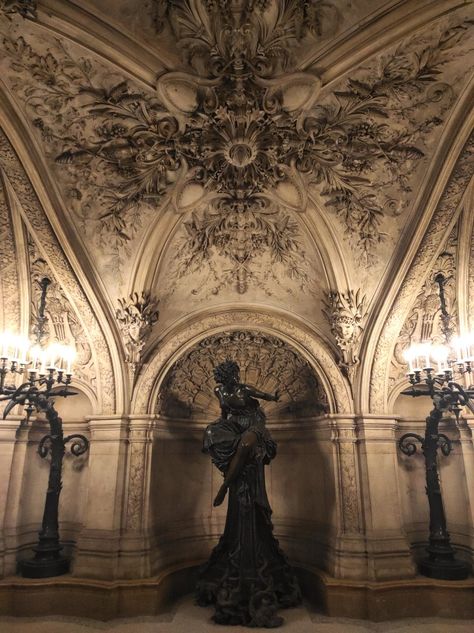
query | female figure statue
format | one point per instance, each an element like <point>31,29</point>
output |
<point>247,577</point>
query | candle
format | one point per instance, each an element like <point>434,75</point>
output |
<point>70,355</point>
<point>5,339</point>
<point>440,354</point>
<point>408,356</point>
<point>42,358</point>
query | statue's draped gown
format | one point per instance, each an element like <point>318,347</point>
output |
<point>247,577</point>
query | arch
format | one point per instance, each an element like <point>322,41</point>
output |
<point>42,212</point>
<point>304,339</point>
<point>421,244</point>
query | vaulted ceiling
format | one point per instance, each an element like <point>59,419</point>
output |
<point>249,153</point>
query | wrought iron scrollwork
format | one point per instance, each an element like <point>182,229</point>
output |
<point>80,444</point>
<point>45,445</point>
<point>407,445</point>
<point>445,444</point>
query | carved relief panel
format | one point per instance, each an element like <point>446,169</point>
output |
<point>266,362</point>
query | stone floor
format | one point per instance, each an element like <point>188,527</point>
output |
<point>188,618</point>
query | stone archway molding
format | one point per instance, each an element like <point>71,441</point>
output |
<point>296,333</point>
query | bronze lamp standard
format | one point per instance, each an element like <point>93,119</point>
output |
<point>46,370</point>
<point>447,396</point>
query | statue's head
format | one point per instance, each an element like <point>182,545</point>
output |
<point>227,372</point>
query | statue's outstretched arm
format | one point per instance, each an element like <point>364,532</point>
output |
<point>261,395</point>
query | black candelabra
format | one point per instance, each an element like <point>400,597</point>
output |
<point>49,374</point>
<point>448,396</point>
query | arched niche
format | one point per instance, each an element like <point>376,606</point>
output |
<point>307,341</point>
<point>265,361</point>
<point>301,481</point>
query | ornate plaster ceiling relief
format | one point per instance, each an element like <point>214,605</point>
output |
<point>236,136</point>
<point>25,8</point>
<point>424,321</point>
<point>265,361</point>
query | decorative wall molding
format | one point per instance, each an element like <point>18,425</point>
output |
<point>307,343</point>
<point>10,316</point>
<point>266,362</point>
<point>50,250</point>
<point>344,435</point>
<point>429,248</point>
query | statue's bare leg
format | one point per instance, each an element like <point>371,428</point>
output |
<point>244,450</point>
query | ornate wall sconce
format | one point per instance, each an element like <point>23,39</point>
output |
<point>49,374</point>
<point>441,385</point>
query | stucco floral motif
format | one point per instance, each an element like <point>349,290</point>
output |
<point>263,249</point>
<point>25,8</point>
<point>10,315</point>
<point>238,129</point>
<point>266,362</point>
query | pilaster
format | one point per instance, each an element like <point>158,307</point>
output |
<point>13,442</point>
<point>388,550</point>
<point>466,438</point>
<point>98,546</point>
<point>347,559</point>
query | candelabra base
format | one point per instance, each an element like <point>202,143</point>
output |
<point>444,569</point>
<point>44,568</point>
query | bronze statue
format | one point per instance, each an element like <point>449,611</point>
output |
<point>247,577</point>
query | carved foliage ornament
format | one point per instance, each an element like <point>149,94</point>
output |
<point>25,8</point>
<point>346,314</point>
<point>136,317</point>
<point>239,130</point>
<point>265,361</point>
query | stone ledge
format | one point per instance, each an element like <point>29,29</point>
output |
<point>105,600</point>
<point>388,600</point>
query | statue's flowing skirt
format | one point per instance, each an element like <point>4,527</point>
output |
<point>247,577</point>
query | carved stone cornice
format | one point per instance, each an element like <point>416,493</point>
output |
<point>180,340</point>
<point>427,251</point>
